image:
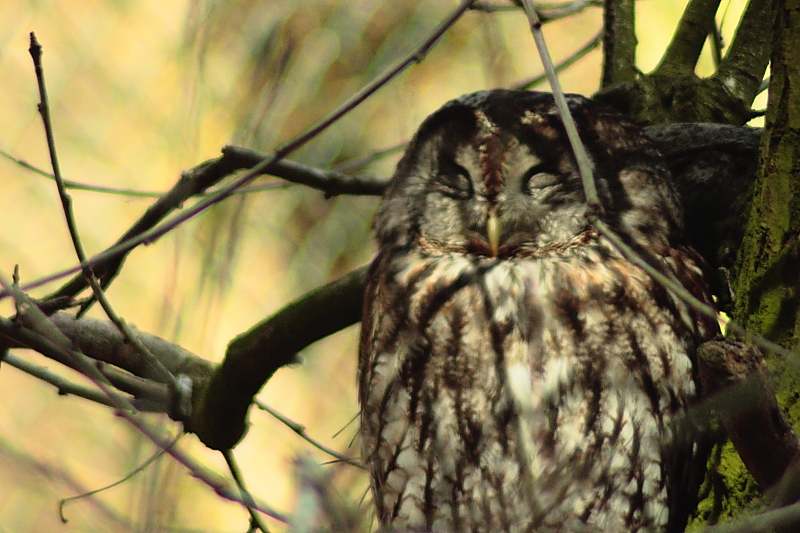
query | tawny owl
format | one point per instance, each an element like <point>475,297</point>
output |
<point>517,372</point>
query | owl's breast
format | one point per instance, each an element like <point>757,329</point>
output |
<point>521,393</point>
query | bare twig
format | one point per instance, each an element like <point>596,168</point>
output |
<point>331,182</point>
<point>301,431</point>
<point>236,473</point>
<point>56,472</point>
<point>66,202</point>
<point>61,383</point>
<point>492,7</point>
<point>39,325</point>
<point>39,337</point>
<point>101,341</point>
<point>548,12</point>
<point>564,64</point>
<point>555,11</point>
<point>44,110</point>
<point>140,468</point>
<point>69,184</point>
<point>764,85</point>
<point>137,236</point>
<point>717,44</point>
<point>165,376</point>
<point>196,182</point>
<point>375,156</point>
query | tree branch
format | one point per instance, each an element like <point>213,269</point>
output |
<point>767,274</point>
<point>144,231</point>
<point>751,417</point>
<point>330,182</point>
<point>687,43</point>
<point>746,61</point>
<point>707,161</point>
<point>673,93</point>
<point>220,410</point>
<point>101,341</point>
<point>198,180</point>
<point>619,42</point>
<point>37,331</point>
<point>61,383</point>
<point>563,64</point>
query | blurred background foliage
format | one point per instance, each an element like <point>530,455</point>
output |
<point>142,90</point>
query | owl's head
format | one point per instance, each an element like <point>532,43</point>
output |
<point>492,174</point>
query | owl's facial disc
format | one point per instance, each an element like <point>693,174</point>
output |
<point>497,197</point>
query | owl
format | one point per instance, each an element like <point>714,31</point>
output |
<point>517,373</point>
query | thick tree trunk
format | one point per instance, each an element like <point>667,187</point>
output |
<point>766,281</point>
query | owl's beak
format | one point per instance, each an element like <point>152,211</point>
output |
<point>494,230</point>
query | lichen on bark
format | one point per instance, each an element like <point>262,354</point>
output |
<point>766,279</point>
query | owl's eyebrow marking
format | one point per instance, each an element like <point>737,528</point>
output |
<point>492,154</point>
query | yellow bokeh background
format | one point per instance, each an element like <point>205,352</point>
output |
<point>140,91</point>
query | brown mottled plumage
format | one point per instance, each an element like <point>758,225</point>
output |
<point>517,373</point>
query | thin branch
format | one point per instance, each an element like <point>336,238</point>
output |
<point>332,183</point>
<point>64,501</point>
<point>136,236</point>
<point>561,103</point>
<point>717,43</point>
<point>66,202</point>
<point>56,472</point>
<point>590,45</point>
<point>61,383</point>
<point>764,85</point>
<point>78,186</point>
<point>236,473</point>
<point>44,110</point>
<point>101,341</point>
<point>32,317</point>
<point>548,12</point>
<point>38,335</point>
<point>155,394</point>
<point>375,156</point>
<point>165,376</point>
<point>300,430</point>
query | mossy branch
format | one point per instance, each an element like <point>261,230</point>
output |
<point>220,410</point>
<point>687,43</point>
<point>619,42</point>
